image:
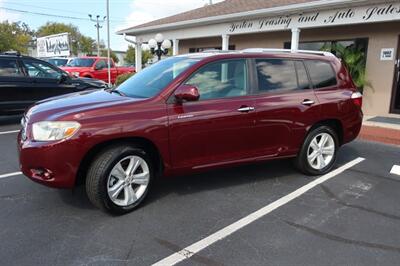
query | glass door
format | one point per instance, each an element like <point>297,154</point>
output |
<point>395,106</point>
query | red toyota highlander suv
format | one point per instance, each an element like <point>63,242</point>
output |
<point>191,113</point>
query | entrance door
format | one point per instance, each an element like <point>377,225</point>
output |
<point>395,107</point>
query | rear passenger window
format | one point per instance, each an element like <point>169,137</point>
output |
<point>321,74</point>
<point>9,68</point>
<point>302,75</point>
<point>276,74</point>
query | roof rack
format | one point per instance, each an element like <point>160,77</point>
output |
<point>12,53</point>
<point>269,50</point>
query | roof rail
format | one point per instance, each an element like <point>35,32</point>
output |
<point>217,51</point>
<point>269,50</point>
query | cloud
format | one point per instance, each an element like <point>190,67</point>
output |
<point>147,10</point>
<point>8,15</point>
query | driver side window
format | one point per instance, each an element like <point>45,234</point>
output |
<point>101,64</point>
<point>222,79</point>
<point>37,69</point>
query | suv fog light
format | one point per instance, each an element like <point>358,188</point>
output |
<point>42,173</point>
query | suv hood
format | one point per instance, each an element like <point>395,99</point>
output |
<point>74,104</point>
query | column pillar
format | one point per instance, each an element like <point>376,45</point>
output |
<point>138,56</point>
<point>225,42</point>
<point>175,47</point>
<point>295,39</point>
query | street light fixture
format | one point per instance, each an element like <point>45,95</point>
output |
<point>159,46</point>
<point>98,27</point>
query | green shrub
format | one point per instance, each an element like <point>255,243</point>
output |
<point>123,77</point>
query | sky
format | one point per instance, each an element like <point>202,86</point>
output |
<point>123,13</point>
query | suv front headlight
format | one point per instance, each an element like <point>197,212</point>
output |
<point>54,130</point>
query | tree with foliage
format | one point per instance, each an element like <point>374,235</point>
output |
<point>112,55</point>
<point>131,55</point>
<point>14,36</point>
<point>87,45</point>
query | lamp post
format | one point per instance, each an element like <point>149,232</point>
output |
<point>159,46</point>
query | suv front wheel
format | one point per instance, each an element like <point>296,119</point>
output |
<point>119,178</point>
<point>318,153</point>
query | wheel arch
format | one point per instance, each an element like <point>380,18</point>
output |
<point>333,123</point>
<point>141,142</point>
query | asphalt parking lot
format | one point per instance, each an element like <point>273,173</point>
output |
<point>350,217</point>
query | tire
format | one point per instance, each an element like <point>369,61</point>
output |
<point>109,183</point>
<point>305,160</point>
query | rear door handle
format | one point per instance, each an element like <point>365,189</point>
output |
<point>246,109</point>
<point>308,102</point>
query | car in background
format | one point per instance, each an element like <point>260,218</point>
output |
<point>95,67</point>
<point>25,80</point>
<point>191,113</point>
<point>58,61</point>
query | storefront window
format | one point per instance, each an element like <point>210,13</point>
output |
<point>201,49</point>
<point>352,52</point>
<point>329,45</point>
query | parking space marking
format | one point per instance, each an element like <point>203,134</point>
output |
<point>10,174</point>
<point>230,229</point>
<point>395,170</point>
<point>9,132</point>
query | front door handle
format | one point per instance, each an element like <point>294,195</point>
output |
<point>246,109</point>
<point>308,102</point>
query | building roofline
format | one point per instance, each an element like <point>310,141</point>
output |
<point>322,4</point>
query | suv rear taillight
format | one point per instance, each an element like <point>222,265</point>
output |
<point>356,97</point>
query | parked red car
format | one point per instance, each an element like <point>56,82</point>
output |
<point>95,67</point>
<point>191,113</point>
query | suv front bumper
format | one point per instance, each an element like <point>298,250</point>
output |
<point>52,164</point>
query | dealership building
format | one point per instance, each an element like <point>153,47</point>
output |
<point>373,27</point>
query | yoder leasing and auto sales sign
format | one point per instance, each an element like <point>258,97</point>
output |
<point>356,15</point>
<point>53,45</point>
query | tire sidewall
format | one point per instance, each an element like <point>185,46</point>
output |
<point>304,151</point>
<point>129,151</point>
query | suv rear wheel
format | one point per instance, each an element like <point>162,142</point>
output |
<point>318,153</point>
<point>119,178</point>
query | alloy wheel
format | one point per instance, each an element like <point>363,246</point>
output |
<point>128,181</point>
<point>321,151</point>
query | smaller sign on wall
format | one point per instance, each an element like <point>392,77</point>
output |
<point>387,54</point>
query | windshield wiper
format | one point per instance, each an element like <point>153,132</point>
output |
<point>118,92</point>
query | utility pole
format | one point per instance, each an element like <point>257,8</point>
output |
<point>98,27</point>
<point>108,42</point>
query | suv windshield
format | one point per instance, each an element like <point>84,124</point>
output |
<point>150,81</point>
<point>81,62</point>
<point>57,61</point>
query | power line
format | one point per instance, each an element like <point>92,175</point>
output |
<point>41,7</point>
<point>42,14</point>
<point>58,16</point>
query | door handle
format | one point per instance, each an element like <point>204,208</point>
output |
<point>246,109</point>
<point>307,102</point>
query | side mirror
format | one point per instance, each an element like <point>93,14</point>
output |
<point>97,67</point>
<point>187,93</point>
<point>63,78</point>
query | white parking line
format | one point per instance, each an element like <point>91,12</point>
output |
<point>10,174</point>
<point>395,170</point>
<point>230,229</point>
<point>9,132</point>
